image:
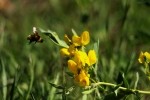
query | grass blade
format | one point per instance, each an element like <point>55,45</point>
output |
<point>4,80</point>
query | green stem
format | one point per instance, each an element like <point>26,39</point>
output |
<point>122,88</point>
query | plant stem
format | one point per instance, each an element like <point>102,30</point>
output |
<point>122,88</point>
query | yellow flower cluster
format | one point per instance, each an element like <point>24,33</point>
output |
<point>79,61</point>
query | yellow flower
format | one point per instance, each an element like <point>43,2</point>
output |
<point>68,51</point>
<point>92,57</point>
<point>65,52</point>
<point>83,40</point>
<point>82,78</point>
<point>72,66</point>
<point>81,57</point>
<point>76,40</point>
<point>144,57</point>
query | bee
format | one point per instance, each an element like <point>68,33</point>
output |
<point>34,37</point>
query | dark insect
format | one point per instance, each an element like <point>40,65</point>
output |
<point>34,37</point>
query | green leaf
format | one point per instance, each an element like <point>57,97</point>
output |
<point>4,80</point>
<point>74,32</point>
<point>125,81</point>
<point>136,81</point>
<point>13,87</point>
<point>130,62</point>
<point>20,91</point>
<point>53,89</point>
<point>96,48</point>
<point>56,86</point>
<point>116,92</point>
<point>55,38</point>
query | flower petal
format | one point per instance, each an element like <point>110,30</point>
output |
<point>85,38</point>
<point>65,52</point>
<point>72,66</point>
<point>81,57</point>
<point>76,40</point>
<point>92,57</point>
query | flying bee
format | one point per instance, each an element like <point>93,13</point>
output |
<point>34,37</point>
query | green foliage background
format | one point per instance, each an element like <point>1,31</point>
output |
<point>121,26</point>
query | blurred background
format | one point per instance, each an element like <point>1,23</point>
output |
<point>121,26</point>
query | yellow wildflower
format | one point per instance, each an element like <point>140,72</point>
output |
<point>83,40</point>
<point>144,57</point>
<point>76,40</point>
<point>79,59</point>
<point>92,57</point>
<point>72,66</point>
<point>82,78</point>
